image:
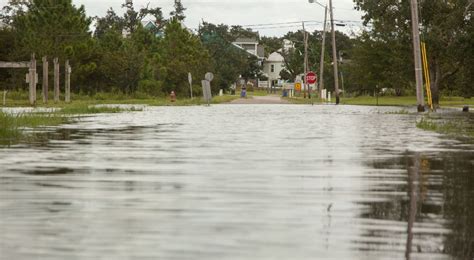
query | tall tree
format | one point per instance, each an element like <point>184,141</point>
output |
<point>181,52</point>
<point>228,61</point>
<point>178,12</point>
<point>444,25</point>
<point>50,27</point>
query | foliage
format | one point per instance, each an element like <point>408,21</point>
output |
<point>447,28</point>
<point>180,53</point>
<point>178,12</point>
<point>228,61</point>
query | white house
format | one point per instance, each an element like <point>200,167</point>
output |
<point>273,65</point>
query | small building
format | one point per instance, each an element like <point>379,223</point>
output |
<point>272,67</point>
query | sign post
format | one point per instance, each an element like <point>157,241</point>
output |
<point>206,87</point>
<point>298,87</point>
<point>311,78</point>
<point>190,79</point>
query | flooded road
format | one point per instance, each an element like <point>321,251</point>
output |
<point>239,182</point>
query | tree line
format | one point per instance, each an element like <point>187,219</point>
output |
<point>120,54</point>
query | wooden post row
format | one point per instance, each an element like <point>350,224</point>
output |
<point>67,82</point>
<point>32,81</point>
<point>56,80</point>
<point>45,79</point>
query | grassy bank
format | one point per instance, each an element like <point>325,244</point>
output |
<point>459,126</point>
<point>385,101</point>
<point>12,126</point>
<point>404,101</point>
<point>18,99</point>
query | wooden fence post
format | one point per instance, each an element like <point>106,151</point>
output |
<point>45,79</point>
<point>56,80</point>
<point>32,80</point>
<point>67,82</point>
<point>5,98</point>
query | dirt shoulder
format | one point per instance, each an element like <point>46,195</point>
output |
<point>272,99</point>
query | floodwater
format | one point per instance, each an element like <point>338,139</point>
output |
<point>239,182</point>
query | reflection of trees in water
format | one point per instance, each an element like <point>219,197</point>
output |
<point>443,188</point>
<point>458,191</point>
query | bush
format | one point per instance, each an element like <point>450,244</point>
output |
<point>150,88</point>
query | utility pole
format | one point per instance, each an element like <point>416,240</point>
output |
<point>334,54</point>
<point>417,52</point>
<point>321,66</point>
<point>305,59</point>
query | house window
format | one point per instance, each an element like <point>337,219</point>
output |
<point>272,69</point>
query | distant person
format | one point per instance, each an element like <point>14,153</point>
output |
<point>243,93</point>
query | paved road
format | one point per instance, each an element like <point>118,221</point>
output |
<point>272,99</point>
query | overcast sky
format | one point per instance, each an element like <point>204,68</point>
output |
<point>243,12</point>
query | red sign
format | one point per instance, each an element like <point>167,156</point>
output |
<point>311,78</point>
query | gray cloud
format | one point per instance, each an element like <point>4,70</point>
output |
<point>241,12</point>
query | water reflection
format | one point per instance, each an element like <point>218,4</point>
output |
<point>239,182</point>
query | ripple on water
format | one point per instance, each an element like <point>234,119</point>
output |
<point>239,182</point>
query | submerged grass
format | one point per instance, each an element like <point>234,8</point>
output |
<point>19,99</point>
<point>399,112</point>
<point>12,126</point>
<point>403,101</point>
<point>452,126</point>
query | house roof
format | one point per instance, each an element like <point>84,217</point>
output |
<point>146,23</point>
<point>246,40</point>
<point>275,57</point>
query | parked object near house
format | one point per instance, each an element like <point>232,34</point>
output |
<point>173,96</point>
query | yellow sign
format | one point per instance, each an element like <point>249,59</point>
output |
<point>298,87</point>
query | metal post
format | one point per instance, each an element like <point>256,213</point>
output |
<point>417,53</point>
<point>334,53</point>
<point>321,66</point>
<point>45,80</point>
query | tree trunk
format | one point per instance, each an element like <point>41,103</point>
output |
<point>435,80</point>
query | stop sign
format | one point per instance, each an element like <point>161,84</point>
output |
<point>311,77</point>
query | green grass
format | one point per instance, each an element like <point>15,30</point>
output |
<point>403,101</point>
<point>399,112</point>
<point>18,99</point>
<point>80,109</point>
<point>453,127</point>
<point>12,126</point>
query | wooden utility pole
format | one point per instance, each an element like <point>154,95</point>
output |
<point>67,82</point>
<point>32,79</point>
<point>321,65</point>
<point>56,80</point>
<point>305,39</point>
<point>334,54</point>
<point>45,79</point>
<point>417,52</point>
